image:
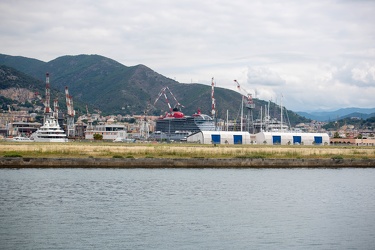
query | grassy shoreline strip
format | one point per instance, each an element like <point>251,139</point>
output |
<point>172,151</point>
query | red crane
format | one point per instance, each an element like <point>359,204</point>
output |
<point>175,112</point>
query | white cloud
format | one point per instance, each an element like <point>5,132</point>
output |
<point>264,76</point>
<point>359,74</point>
<point>313,52</point>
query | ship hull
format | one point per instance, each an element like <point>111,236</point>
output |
<point>179,128</point>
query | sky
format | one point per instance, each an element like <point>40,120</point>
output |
<point>307,55</point>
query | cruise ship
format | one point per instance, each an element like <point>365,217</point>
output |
<point>50,132</point>
<point>176,126</point>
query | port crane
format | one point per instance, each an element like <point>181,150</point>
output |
<point>145,129</point>
<point>56,108</point>
<point>175,112</point>
<point>70,114</point>
<point>247,99</point>
<point>47,108</point>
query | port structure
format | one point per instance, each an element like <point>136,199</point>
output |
<point>56,108</point>
<point>174,112</point>
<point>47,107</point>
<point>70,114</point>
<point>247,100</point>
<point>145,128</point>
<point>213,103</point>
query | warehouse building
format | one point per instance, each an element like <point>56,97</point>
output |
<point>221,137</point>
<point>263,138</point>
<point>285,138</point>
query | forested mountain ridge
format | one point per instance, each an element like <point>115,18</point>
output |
<point>113,88</point>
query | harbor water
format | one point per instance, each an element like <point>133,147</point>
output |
<point>187,208</point>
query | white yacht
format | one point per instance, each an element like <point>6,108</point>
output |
<point>50,132</point>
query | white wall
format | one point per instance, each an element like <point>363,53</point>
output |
<point>287,138</point>
<point>226,137</point>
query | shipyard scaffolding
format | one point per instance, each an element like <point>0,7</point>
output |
<point>248,103</point>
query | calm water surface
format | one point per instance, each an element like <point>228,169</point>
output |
<point>187,209</point>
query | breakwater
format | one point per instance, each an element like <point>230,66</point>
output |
<point>22,162</point>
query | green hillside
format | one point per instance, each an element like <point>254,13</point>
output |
<point>18,84</point>
<point>113,88</point>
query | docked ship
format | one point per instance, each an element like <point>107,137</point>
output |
<point>177,126</point>
<point>50,132</point>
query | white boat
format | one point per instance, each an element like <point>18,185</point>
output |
<point>50,132</point>
<point>21,139</point>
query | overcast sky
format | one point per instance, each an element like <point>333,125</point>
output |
<point>317,54</point>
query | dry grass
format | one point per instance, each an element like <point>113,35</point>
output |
<point>109,150</point>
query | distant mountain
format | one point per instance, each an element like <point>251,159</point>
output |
<point>363,113</point>
<point>19,88</point>
<point>113,88</point>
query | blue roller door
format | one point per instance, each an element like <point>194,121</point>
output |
<point>237,139</point>
<point>276,139</point>
<point>215,139</point>
<point>297,139</point>
<point>318,139</point>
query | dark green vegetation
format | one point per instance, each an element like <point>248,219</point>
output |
<point>22,83</point>
<point>12,154</point>
<point>339,114</point>
<point>113,88</point>
<point>358,123</point>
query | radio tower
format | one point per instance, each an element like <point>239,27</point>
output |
<point>47,108</point>
<point>70,114</point>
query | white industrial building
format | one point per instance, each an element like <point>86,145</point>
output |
<point>108,131</point>
<point>292,138</point>
<point>265,138</point>
<point>221,137</point>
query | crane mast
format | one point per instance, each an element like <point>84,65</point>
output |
<point>249,104</point>
<point>144,130</point>
<point>70,114</point>
<point>56,108</point>
<point>213,111</point>
<point>47,108</point>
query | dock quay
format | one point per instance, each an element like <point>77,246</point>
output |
<point>128,163</point>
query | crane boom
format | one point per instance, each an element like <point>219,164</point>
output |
<point>163,92</point>
<point>247,94</point>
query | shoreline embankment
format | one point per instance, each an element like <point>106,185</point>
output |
<point>128,163</point>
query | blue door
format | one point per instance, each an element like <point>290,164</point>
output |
<point>297,139</point>
<point>215,139</point>
<point>237,139</point>
<point>318,139</point>
<point>276,139</point>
